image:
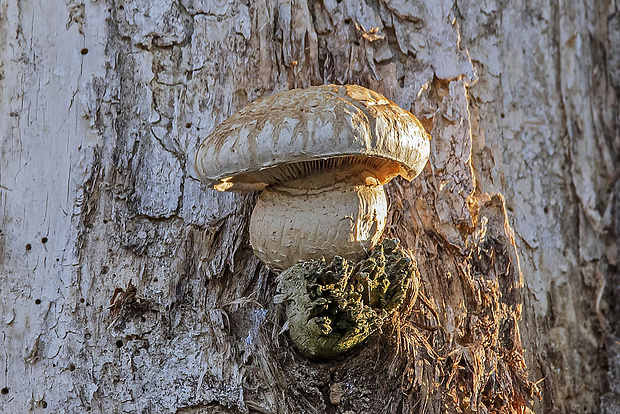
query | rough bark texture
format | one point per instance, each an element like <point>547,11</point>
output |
<point>127,286</point>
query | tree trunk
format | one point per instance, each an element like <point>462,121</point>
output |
<point>128,286</point>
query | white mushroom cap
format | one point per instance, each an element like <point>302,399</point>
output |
<point>296,133</point>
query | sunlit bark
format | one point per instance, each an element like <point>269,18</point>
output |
<point>128,286</point>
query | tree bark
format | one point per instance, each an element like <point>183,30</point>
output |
<point>128,286</point>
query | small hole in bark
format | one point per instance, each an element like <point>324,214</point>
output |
<point>347,21</point>
<point>37,301</point>
<point>4,391</point>
<point>249,360</point>
<point>121,7</point>
<point>188,125</point>
<point>84,51</point>
<point>57,259</point>
<point>105,221</point>
<point>82,300</point>
<point>71,367</point>
<point>155,280</point>
<point>503,115</point>
<point>44,404</point>
<point>28,246</point>
<point>105,270</point>
<point>44,240</point>
<point>546,210</point>
<point>119,344</point>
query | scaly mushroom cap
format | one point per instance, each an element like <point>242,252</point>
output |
<point>299,132</point>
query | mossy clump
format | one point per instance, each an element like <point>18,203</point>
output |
<point>333,307</point>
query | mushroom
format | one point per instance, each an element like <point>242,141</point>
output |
<point>321,157</point>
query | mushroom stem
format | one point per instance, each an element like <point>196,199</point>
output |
<point>324,215</point>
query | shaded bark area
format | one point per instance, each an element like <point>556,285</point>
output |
<point>128,286</point>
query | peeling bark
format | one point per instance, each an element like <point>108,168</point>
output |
<point>128,286</point>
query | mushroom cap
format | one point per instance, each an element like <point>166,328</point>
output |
<point>292,134</point>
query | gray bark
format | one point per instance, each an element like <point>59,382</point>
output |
<point>128,286</point>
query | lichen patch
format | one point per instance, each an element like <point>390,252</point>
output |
<point>333,307</point>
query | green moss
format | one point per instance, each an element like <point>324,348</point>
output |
<point>333,307</point>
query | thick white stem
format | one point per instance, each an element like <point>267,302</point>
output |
<point>290,225</point>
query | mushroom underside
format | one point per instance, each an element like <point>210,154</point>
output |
<point>256,180</point>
